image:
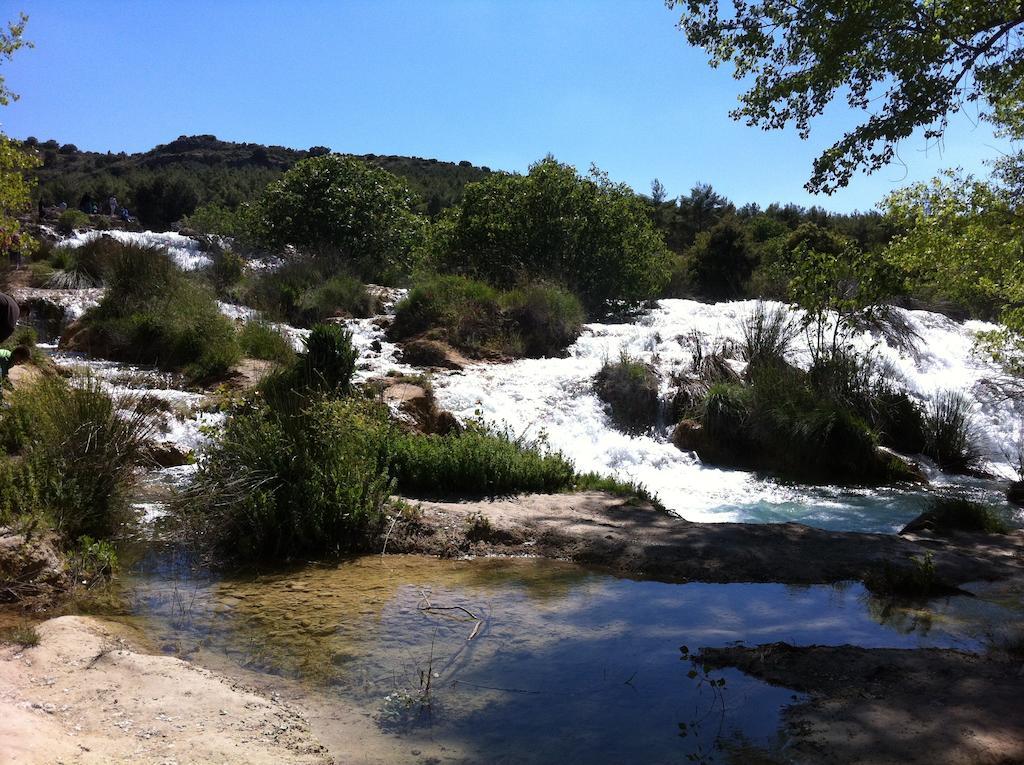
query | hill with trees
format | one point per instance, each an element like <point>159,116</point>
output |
<point>170,181</point>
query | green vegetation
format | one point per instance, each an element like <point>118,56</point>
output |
<point>70,220</point>
<point>536,320</point>
<point>288,482</point>
<point>306,291</point>
<point>916,579</point>
<point>630,389</point>
<point>208,181</point>
<point>957,513</point>
<point>21,635</point>
<point>591,236</point>
<point>907,66</point>
<point>478,461</point>
<point>153,313</point>
<point>73,451</point>
<point>948,431</point>
<point>259,340</point>
<point>325,368</point>
<point>342,207</point>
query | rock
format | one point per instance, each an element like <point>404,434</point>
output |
<point>445,423</point>
<point>1015,493</point>
<point>244,375</point>
<point>30,564</point>
<point>688,436</point>
<point>165,454</point>
<point>24,375</point>
<point>431,353</point>
<point>414,400</point>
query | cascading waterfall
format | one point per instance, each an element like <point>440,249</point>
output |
<point>555,396</point>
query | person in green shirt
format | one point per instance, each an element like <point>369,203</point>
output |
<point>8,359</point>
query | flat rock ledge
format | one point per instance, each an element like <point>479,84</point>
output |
<point>880,705</point>
<point>599,529</point>
<point>85,695</point>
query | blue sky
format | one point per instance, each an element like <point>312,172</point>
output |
<point>496,83</point>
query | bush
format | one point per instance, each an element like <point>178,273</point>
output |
<point>768,335</point>
<point>630,389</point>
<point>86,265</point>
<point>341,205</point>
<point>304,292</point>
<point>226,270</point>
<point>260,340</point>
<point>465,312</point>
<point>546,319</point>
<point>78,449</point>
<point>325,367</point>
<point>478,461</point>
<point>945,514</point>
<point>535,320</point>
<point>152,313</point>
<point>285,483</point>
<point>70,220</point>
<point>725,417</point>
<point>949,434</point>
<point>589,235</point>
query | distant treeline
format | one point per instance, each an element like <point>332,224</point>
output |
<point>168,182</point>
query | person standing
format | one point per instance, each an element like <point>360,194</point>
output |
<point>113,206</point>
<point>9,315</point>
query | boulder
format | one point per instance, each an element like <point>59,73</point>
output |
<point>166,454</point>
<point>432,353</point>
<point>688,436</point>
<point>1015,493</point>
<point>30,564</point>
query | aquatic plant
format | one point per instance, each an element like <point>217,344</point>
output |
<point>260,340</point>
<point>479,461</point>
<point>630,388</point>
<point>78,449</point>
<point>768,335</point>
<point>949,434</point>
<point>153,313</point>
<point>958,513</point>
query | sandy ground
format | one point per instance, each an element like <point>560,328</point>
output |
<point>595,528</point>
<point>83,695</point>
<point>928,706</point>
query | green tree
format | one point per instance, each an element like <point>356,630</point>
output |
<point>722,260</point>
<point>333,205</point>
<point>15,163</point>
<point>593,236</point>
<point>906,64</point>
<point>963,241</point>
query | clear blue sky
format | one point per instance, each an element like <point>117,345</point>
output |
<point>496,83</point>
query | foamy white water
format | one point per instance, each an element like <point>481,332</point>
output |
<point>184,250</point>
<point>555,396</point>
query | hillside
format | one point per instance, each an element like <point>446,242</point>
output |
<point>171,180</point>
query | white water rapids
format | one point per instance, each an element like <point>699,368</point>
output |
<point>555,397</point>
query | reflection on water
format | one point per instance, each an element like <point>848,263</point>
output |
<point>528,660</point>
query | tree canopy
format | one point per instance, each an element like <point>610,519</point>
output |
<point>593,236</point>
<point>905,63</point>
<point>15,184</point>
<point>337,205</point>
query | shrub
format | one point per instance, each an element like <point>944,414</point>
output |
<point>478,461</point>
<point>949,434</point>
<point>226,270</point>
<point>70,220</point>
<point>304,292</point>
<point>260,340</point>
<point>591,236</point>
<point>86,265</point>
<point>289,482</point>
<point>916,580</point>
<point>465,312</point>
<point>152,313</point>
<point>21,635</point>
<point>78,451</point>
<point>768,334</point>
<point>336,204</point>
<point>630,389</point>
<point>536,320</point>
<point>546,319</point>
<point>725,416</point>
<point>957,513</point>
<point>325,367</point>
